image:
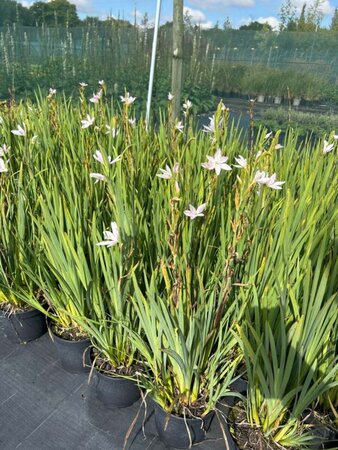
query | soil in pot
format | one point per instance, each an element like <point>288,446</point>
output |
<point>112,389</point>
<point>251,438</point>
<point>24,325</point>
<point>73,349</point>
<point>180,432</point>
<point>245,436</point>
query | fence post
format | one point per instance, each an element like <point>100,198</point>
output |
<point>177,66</point>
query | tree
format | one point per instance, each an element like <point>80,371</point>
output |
<point>227,24</point>
<point>256,26</point>
<point>13,12</point>
<point>310,20</point>
<point>55,12</point>
<point>315,14</point>
<point>334,22</point>
<point>40,12</point>
<point>288,16</point>
<point>302,24</point>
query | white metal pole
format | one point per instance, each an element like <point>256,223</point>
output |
<point>153,60</point>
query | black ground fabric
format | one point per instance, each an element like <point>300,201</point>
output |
<point>42,407</point>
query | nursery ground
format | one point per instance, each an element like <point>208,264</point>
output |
<point>42,407</point>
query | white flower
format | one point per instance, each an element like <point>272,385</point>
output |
<point>187,105</point>
<point>113,131</point>
<point>335,136</point>
<point>113,161</point>
<point>111,237</point>
<point>179,127</point>
<point>34,138</point>
<point>96,97</point>
<point>166,173</point>
<point>217,162</point>
<point>211,127</point>
<point>101,82</point>
<point>223,107</point>
<point>132,122</point>
<point>263,178</point>
<point>176,167</point>
<point>273,184</point>
<point>98,157</point>
<point>20,131</point>
<point>327,147</point>
<point>98,177</point>
<point>87,122</point>
<point>4,149</point>
<point>3,168</point>
<point>278,146</point>
<point>51,92</point>
<point>83,85</point>
<point>127,99</point>
<point>170,97</point>
<point>241,162</point>
<point>192,212</point>
<point>268,135</point>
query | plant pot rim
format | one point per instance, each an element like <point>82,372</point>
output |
<point>67,340</point>
<point>114,377</point>
<point>19,312</point>
<point>199,419</point>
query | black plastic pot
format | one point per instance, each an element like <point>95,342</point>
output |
<point>74,355</point>
<point>23,326</point>
<point>173,430</point>
<point>116,392</point>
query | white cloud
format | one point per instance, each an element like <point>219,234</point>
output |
<point>198,17</point>
<point>220,3</point>
<point>83,6</point>
<point>271,20</point>
<point>106,15</point>
<point>195,15</point>
<point>206,25</point>
<point>325,7</point>
<point>137,14</point>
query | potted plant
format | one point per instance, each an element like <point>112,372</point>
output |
<point>276,85</point>
<point>114,357</point>
<point>21,300</point>
<point>185,300</point>
<point>65,278</point>
<point>189,359</point>
<point>293,350</point>
<point>256,83</point>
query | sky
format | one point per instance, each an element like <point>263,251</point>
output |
<point>204,12</point>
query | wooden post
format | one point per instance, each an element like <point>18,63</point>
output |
<point>177,66</point>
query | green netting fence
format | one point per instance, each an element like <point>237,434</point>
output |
<point>226,63</point>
